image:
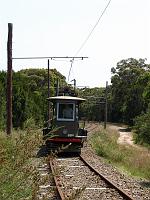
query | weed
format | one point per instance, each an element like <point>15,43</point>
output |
<point>135,161</point>
<point>76,194</point>
<point>16,171</point>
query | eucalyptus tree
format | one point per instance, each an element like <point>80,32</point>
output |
<point>128,89</point>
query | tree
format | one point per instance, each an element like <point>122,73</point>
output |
<point>127,89</point>
<point>142,128</point>
<point>29,95</point>
<point>93,109</point>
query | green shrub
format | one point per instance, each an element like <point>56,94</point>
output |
<point>142,128</point>
<point>29,123</point>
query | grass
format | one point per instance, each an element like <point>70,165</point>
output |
<point>17,173</point>
<point>135,161</point>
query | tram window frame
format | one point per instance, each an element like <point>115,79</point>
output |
<point>60,112</point>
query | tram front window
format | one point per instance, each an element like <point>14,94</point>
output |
<point>66,111</point>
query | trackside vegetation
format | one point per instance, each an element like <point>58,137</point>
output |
<point>135,161</point>
<point>18,172</point>
<point>142,129</point>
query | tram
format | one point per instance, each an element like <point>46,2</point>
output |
<point>64,133</point>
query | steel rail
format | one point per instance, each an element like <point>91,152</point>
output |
<point>57,180</point>
<point>122,192</point>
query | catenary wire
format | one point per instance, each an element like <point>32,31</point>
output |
<point>88,36</point>
<point>90,33</point>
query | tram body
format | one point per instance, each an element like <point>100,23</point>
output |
<point>64,132</point>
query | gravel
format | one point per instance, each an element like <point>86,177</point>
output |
<point>132,186</point>
<point>45,185</point>
<point>79,181</point>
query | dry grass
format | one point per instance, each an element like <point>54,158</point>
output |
<point>139,163</point>
<point>17,174</point>
<point>136,161</point>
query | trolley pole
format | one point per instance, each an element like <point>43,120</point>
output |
<point>9,79</point>
<point>74,85</point>
<point>105,122</point>
<point>48,92</point>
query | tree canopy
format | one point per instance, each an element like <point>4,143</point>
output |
<point>29,95</point>
<point>130,82</point>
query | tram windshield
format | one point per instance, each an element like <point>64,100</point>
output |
<point>65,111</point>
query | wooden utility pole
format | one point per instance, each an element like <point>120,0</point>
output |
<point>48,92</point>
<point>105,122</point>
<point>9,79</point>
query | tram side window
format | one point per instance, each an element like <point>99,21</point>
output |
<point>66,111</point>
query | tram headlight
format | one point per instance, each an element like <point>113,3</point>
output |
<point>65,131</point>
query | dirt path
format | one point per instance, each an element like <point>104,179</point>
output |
<point>126,137</point>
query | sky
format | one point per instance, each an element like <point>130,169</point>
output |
<point>59,27</point>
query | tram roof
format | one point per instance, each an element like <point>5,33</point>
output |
<point>66,98</point>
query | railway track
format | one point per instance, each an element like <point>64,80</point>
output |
<point>75,178</point>
<point>46,187</point>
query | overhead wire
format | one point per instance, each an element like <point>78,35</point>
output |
<point>90,33</point>
<point>88,36</point>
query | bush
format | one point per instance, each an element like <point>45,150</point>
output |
<point>142,128</point>
<point>29,123</point>
<point>16,169</point>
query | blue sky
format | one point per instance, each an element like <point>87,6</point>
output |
<point>58,28</point>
